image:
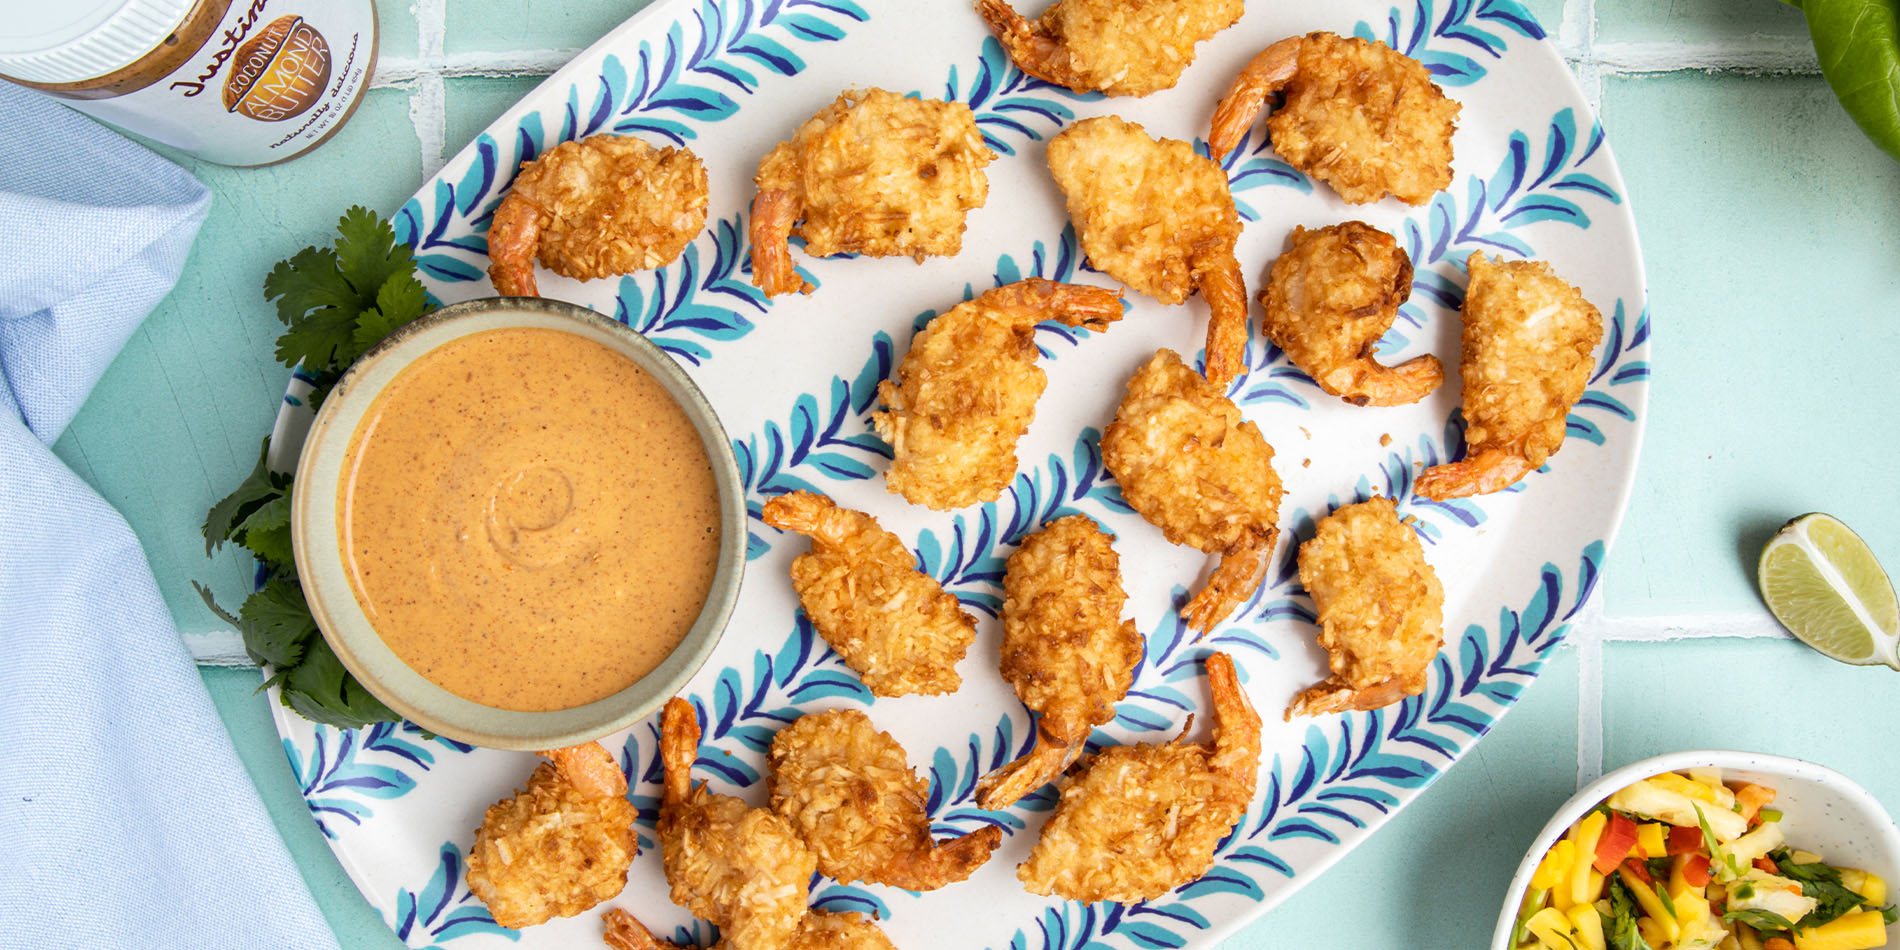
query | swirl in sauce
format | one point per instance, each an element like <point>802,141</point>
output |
<point>530,520</point>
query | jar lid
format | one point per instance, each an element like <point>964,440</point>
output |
<point>76,40</point>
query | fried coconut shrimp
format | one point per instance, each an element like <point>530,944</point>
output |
<point>1381,609</point>
<point>1066,649</point>
<point>1189,463</point>
<point>849,791</point>
<point>1330,298</point>
<point>744,869</point>
<point>818,930</point>
<point>560,845</point>
<point>967,390</point>
<point>1112,46</point>
<point>1158,217</point>
<point>1359,116</point>
<point>1138,821</point>
<point>893,624</point>
<point>873,173</point>
<point>605,205</point>
<point>1528,337</point>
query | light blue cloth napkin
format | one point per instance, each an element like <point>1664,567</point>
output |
<point>126,819</point>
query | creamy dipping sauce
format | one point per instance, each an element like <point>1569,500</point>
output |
<point>528,519</point>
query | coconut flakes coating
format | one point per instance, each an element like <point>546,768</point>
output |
<point>859,584</point>
<point>1112,46</point>
<point>1330,298</point>
<point>744,869</point>
<point>1066,650</point>
<point>602,206</point>
<point>966,391</point>
<point>817,930</point>
<point>1138,821</point>
<point>1359,115</point>
<point>1527,344</point>
<point>873,173</point>
<point>1157,216</point>
<point>849,791</point>
<point>1380,606</point>
<point>560,845</point>
<point>1189,463</point>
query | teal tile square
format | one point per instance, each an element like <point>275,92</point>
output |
<point>1549,14</point>
<point>474,103</point>
<point>1771,245</point>
<point>1767,695</point>
<point>177,419</point>
<point>397,34</point>
<point>1695,21</point>
<point>518,27</point>
<point>1436,875</point>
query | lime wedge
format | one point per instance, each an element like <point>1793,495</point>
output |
<point>1825,585</point>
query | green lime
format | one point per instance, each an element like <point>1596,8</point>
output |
<point>1825,585</point>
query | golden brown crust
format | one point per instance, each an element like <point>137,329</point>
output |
<point>1380,609</point>
<point>874,173</point>
<point>1366,120</point>
<point>849,791</point>
<point>1189,463</point>
<point>550,850</point>
<point>1135,822</point>
<point>966,391</point>
<point>1528,343</point>
<point>1066,650</point>
<point>1157,216</point>
<point>741,868</point>
<point>859,584</point>
<point>602,206</point>
<point>1330,298</point>
<point>1114,46</point>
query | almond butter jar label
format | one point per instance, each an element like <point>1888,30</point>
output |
<point>237,82</point>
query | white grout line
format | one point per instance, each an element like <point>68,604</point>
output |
<point>1792,54</point>
<point>428,109</point>
<point>396,71</point>
<point>1589,705</point>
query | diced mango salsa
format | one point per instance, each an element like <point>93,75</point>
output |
<point>1587,925</point>
<point>1652,906</point>
<point>1652,839</point>
<point>1555,868</point>
<point>1865,883</point>
<point>1585,835</point>
<point>1861,930</point>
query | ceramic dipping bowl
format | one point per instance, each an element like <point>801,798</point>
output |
<point>320,557</point>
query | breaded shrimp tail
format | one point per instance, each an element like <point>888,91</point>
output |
<point>1038,767</point>
<point>623,932</point>
<point>1242,569</point>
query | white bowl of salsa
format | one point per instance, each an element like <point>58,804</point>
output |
<point>1820,811</point>
<point>519,523</point>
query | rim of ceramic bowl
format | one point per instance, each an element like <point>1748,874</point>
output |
<point>340,616</point>
<point>1726,759</point>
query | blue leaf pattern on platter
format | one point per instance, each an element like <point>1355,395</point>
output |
<point>443,908</point>
<point>670,307</point>
<point>1009,103</point>
<point>340,780</point>
<point>1476,26</point>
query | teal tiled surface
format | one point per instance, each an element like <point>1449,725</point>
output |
<point>483,27</point>
<point>1773,253</point>
<point>1758,695</point>
<point>399,35</point>
<point>1695,21</point>
<point>475,103</point>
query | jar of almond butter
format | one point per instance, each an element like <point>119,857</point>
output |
<point>237,82</point>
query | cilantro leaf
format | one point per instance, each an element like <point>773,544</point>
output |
<point>400,301</point>
<point>225,519</point>
<point>368,253</point>
<point>276,623</point>
<point>1823,883</point>
<point>1766,921</point>
<point>308,280</point>
<point>273,547</point>
<point>322,691</point>
<point>1619,925</point>
<point>320,340</point>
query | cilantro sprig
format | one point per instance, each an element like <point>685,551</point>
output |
<point>335,302</point>
<point>1823,883</point>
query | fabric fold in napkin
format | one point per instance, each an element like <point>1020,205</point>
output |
<point>126,819</point>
